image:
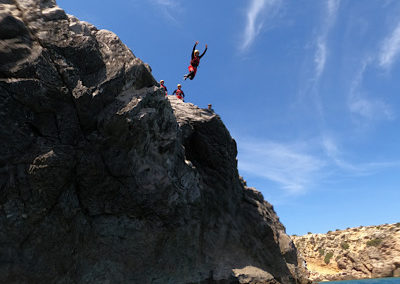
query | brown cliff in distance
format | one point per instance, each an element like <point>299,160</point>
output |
<point>354,253</point>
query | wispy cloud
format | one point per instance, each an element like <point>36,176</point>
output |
<point>320,57</point>
<point>257,12</point>
<point>166,3</point>
<point>336,155</point>
<point>390,49</point>
<point>360,104</point>
<point>332,7</point>
<point>298,167</point>
<point>169,8</point>
<point>372,109</point>
<point>292,168</point>
<point>321,51</point>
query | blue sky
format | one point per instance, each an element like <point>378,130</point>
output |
<point>308,88</point>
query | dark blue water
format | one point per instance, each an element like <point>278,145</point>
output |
<point>368,281</point>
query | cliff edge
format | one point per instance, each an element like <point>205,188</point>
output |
<point>105,180</point>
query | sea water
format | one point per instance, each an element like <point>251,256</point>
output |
<point>367,281</point>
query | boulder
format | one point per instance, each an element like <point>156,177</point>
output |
<point>382,271</point>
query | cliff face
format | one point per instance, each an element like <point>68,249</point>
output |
<point>355,253</point>
<point>104,180</point>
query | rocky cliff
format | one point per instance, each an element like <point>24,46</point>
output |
<point>354,253</point>
<point>104,180</point>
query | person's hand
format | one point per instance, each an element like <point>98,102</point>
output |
<point>206,46</point>
<point>197,42</point>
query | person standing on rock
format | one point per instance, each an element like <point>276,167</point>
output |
<point>179,93</point>
<point>194,62</point>
<point>163,86</point>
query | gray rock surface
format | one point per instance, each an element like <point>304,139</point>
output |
<point>104,180</point>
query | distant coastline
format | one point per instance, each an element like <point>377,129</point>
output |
<point>366,252</point>
<point>391,280</point>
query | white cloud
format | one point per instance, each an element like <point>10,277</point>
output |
<point>169,8</point>
<point>298,167</point>
<point>334,153</point>
<point>360,104</point>
<point>321,51</point>
<point>390,49</point>
<point>320,57</point>
<point>290,167</point>
<point>332,7</point>
<point>316,68</point>
<point>372,109</point>
<point>166,3</point>
<point>257,12</point>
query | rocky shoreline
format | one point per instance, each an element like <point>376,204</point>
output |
<point>354,253</point>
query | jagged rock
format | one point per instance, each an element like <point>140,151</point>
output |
<point>343,264</point>
<point>365,252</point>
<point>104,180</point>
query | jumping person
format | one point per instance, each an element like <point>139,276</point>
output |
<point>194,62</point>
<point>179,93</point>
<point>163,86</point>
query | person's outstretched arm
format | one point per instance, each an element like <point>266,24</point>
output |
<point>194,48</point>
<point>203,52</point>
<point>174,92</point>
<point>183,94</point>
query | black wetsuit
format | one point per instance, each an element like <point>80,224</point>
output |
<point>165,88</point>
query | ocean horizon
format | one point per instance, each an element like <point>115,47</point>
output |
<point>391,280</point>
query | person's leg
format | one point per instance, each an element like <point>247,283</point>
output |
<point>190,74</point>
<point>193,73</point>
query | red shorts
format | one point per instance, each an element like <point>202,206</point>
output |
<point>179,97</point>
<point>192,69</point>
